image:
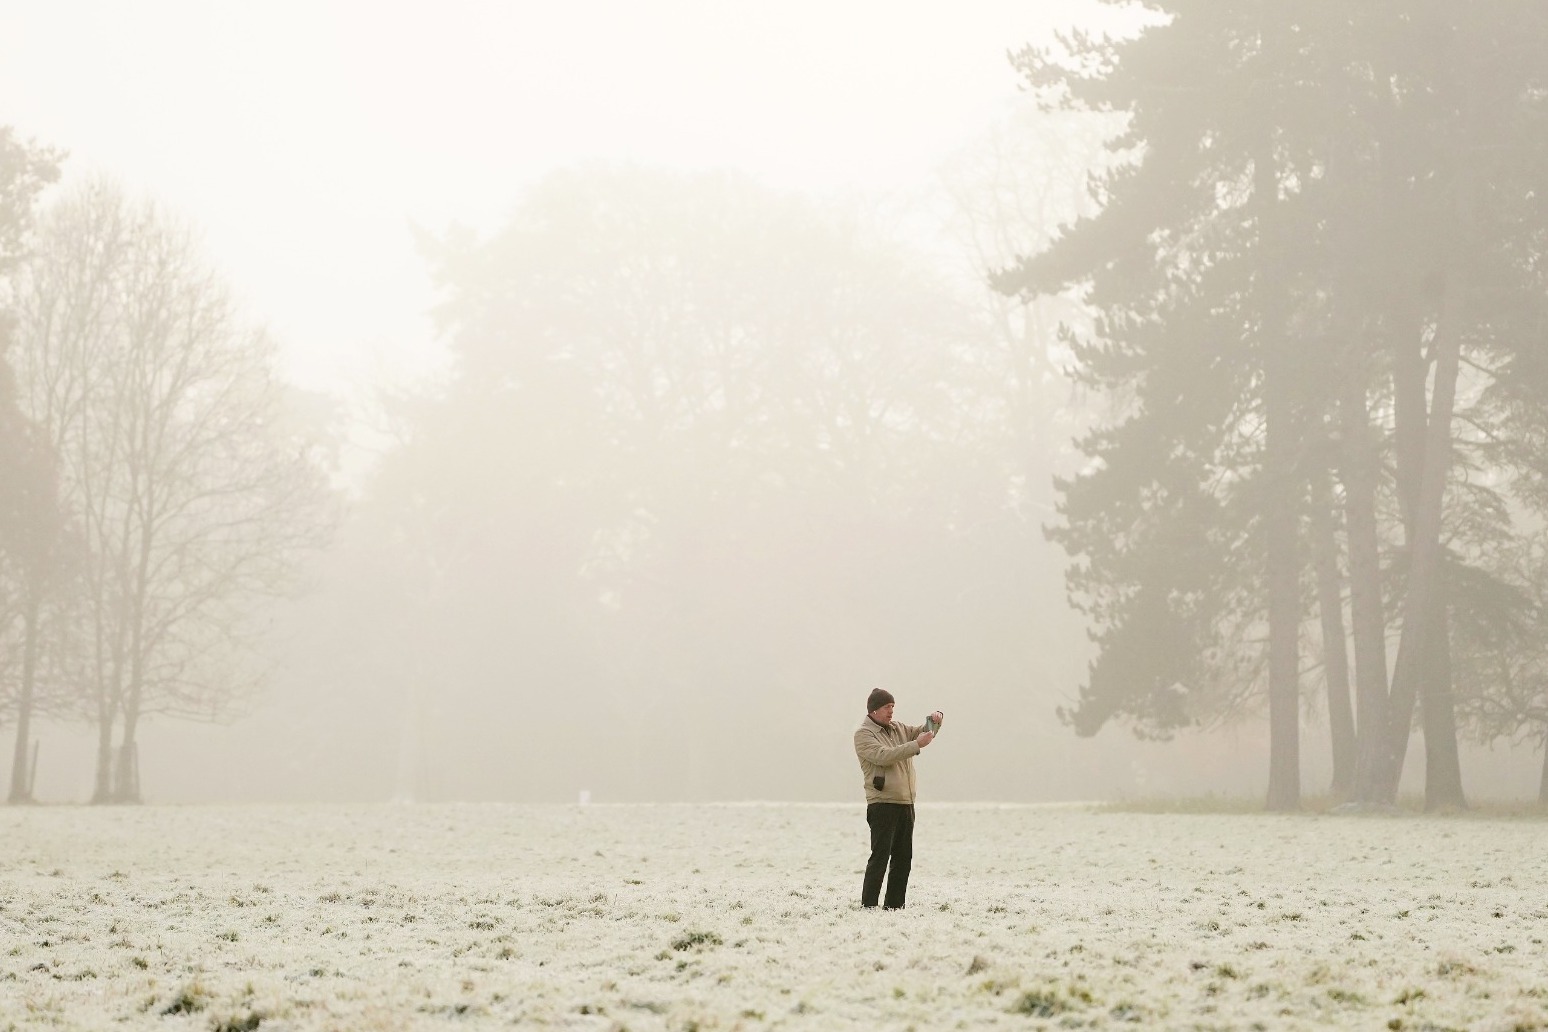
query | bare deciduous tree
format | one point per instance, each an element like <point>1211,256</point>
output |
<point>164,409</point>
<point>30,529</point>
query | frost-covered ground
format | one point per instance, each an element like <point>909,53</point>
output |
<point>723,917</point>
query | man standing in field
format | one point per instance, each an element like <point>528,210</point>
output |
<point>886,749</point>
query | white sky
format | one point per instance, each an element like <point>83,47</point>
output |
<point>305,138</point>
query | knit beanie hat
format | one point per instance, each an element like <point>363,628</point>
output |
<point>878,698</point>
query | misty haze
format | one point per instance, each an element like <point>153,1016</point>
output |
<point>469,471</point>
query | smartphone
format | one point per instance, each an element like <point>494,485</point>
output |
<point>930,724</point>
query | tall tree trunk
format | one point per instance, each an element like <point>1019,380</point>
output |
<point>1282,505</point>
<point>1335,649</point>
<point>127,777</point>
<point>21,791</point>
<point>21,781</point>
<point>1442,761</point>
<point>126,782</point>
<point>1410,415</point>
<point>1284,608</point>
<point>108,665</point>
<point>127,789</point>
<point>109,700</point>
<point>1443,767</point>
<point>103,792</point>
<point>1359,474</point>
<point>1421,620</point>
<point>1359,470</point>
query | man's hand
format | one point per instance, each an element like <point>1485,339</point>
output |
<point>925,738</point>
<point>938,717</point>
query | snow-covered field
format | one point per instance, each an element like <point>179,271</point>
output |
<point>723,917</point>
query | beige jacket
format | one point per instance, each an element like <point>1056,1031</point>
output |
<point>888,752</point>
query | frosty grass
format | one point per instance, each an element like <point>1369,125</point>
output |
<point>724,917</point>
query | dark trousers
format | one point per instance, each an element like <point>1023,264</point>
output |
<point>892,839</point>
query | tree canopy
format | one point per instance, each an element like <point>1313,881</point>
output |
<point>1328,214</point>
<point>711,454</point>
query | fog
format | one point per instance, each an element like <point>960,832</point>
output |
<point>665,406</point>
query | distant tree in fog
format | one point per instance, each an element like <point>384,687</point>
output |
<point>1320,282</point>
<point>31,523</point>
<point>193,496</point>
<point>35,553</point>
<point>1194,393</point>
<point>1501,651</point>
<point>712,454</point>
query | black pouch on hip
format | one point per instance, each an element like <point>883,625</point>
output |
<point>878,781</point>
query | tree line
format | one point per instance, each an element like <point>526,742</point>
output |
<point>707,448</point>
<point>1318,263</point>
<point>159,481</point>
<point>702,440</point>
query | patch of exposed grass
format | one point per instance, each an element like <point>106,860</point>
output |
<point>246,1023</point>
<point>1048,1002</point>
<point>190,1000</point>
<point>692,939</point>
<point>1041,1003</point>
